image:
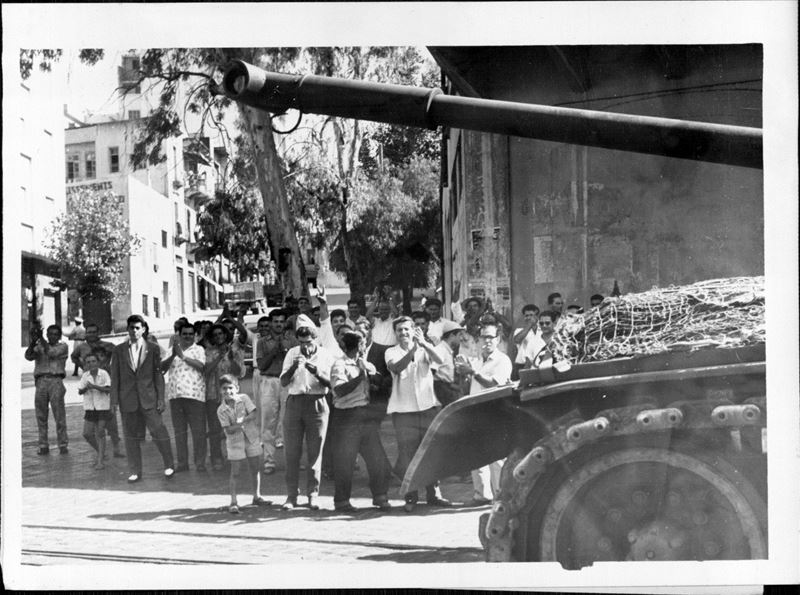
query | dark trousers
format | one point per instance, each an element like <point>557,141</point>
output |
<point>133,424</point>
<point>327,448</point>
<point>189,414</point>
<point>306,418</point>
<point>357,433</point>
<point>446,392</point>
<point>113,430</point>
<point>214,431</point>
<point>50,391</point>
<point>410,429</point>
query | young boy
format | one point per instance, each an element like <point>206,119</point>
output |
<point>95,386</point>
<point>237,415</point>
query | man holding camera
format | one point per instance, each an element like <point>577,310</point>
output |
<point>306,373</point>
<point>50,357</point>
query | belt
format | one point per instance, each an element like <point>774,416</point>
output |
<point>313,396</point>
<point>50,376</point>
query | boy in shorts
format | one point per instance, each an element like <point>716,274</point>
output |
<point>95,386</point>
<point>237,415</point>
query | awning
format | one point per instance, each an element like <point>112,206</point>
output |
<point>209,281</point>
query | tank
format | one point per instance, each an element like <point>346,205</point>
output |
<point>656,455</point>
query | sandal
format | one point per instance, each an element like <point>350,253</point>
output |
<point>233,509</point>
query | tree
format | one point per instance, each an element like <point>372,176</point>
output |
<point>91,242</point>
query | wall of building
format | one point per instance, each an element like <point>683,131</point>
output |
<point>582,218</point>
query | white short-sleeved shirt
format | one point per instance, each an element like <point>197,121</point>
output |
<point>435,331</point>
<point>383,332</point>
<point>344,370</point>
<point>93,399</point>
<point>497,367</point>
<point>412,389</point>
<point>184,381</point>
<point>529,347</point>
<point>304,382</point>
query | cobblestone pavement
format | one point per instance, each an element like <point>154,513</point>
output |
<point>73,514</point>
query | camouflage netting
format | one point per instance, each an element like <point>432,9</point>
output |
<point>718,313</point>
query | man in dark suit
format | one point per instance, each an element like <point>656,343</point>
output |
<point>137,387</point>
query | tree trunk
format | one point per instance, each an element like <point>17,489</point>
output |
<point>408,293</point>
<point>280,223</point>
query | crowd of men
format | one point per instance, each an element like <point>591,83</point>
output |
<point>323,382</point>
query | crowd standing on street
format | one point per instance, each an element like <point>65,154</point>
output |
<point>323,383</point>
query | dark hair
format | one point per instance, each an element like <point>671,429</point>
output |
<point>276,312</point>
<point>400,320</point>
<point>134,318</point>
<point>303,298</point>
<point>228,334</point>
<point>306,331</point>
<point>475,299</point>
<point>186,324</point>
<point>549,314</point>
<point>338,312</point>
<point>364,323</point>
<point>86,325</point>
<point>530,308</point>
<point>353,302</point>
<point>575,307</point>
<point>262,319</point>
<point>552,297</point>
<point>433,302</point>
<point>597,296</point>
<point>421,314</point>
<point>55,326</point>
<point>351,340</point>
<point>226,379</point>
<point>486,323</point>
<point>91,354</point>
<point>198,326</point>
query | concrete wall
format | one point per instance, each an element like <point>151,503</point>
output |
<point>575,219</point>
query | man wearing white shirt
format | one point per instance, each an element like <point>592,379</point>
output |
<point>444,377</point>
<point>433,307</point>
<point>492,369</point>
<point>306,374</point>
<point>527,337</point>
<point>382,325</point>
<point>412,404</point>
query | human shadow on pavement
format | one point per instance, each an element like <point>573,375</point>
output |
<point>442,555</point>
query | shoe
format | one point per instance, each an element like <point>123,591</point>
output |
<point>439,502</point>
<point>382,504</point>
<point>311,504</point>
<point>278,444</point>
<point>169,472</point>
<point>290,504</point>
<point>233,509</point>
<point>201,467</point>
<point>475,502</point>
<point>63,450</point>
<point>268,470</point>
<point>346,508</point>
<point>179,469</point>
<point>43,450</point>
<point>134,478</point>
<point>261,502</point>
<point>409,506</point>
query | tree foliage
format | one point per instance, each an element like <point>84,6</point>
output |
<point>233,225</point>
<point>45,59</point>
<point>90,242</point>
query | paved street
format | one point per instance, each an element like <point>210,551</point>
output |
<point>73,514</point>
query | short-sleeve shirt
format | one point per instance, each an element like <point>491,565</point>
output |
<point>227,414</point>
<point>383,332</point>
<point>529,347</point>
<point>93,399</point>
<point>225,366</point>
<point>497,367</point>
<point>102,349</point>
<point>49,359</point>
<point>344,370</point>
<point>184,381</point>
<point>304,382</point>
<point>412,388</point>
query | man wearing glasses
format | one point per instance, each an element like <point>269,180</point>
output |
<point>491,369</point>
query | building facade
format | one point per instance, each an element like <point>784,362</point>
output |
<point>523,218</point>
<point>38,195</point>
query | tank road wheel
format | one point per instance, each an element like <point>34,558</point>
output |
<point>640,503</point>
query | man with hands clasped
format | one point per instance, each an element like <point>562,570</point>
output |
<point>412,404</point>
<point>306,374</point>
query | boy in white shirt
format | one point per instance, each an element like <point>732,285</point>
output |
<point>95,386</point>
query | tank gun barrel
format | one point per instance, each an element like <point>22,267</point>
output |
<point>430,108</point>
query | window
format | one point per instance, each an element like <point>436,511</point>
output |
<point>113,159</point>
<point>73,167</point>
<point>156,309</point>
<point>163,239</point>
<point>144,304</point>
<point>133,114</point>
<point>188,224</point>
<point>90,165</point>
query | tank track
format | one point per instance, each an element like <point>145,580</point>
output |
<point>522,469</point>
